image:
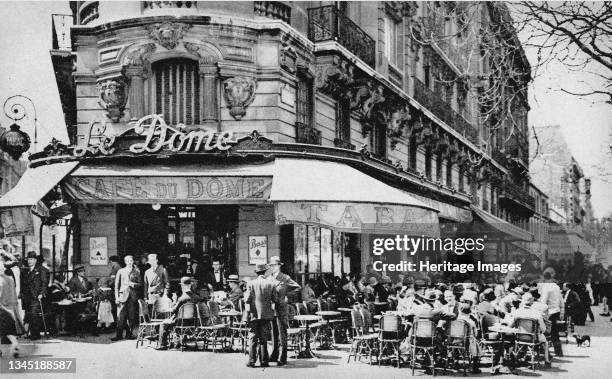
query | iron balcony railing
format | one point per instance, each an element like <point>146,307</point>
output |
<point>329,24</point>
<point>515,193</point>
<point>444,111</point>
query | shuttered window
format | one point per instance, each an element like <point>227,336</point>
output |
<point>305,99</point>
<point>176,91</point>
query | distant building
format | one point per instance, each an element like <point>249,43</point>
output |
<point>539,222</point>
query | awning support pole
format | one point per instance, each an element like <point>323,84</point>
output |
<point>40,238</point>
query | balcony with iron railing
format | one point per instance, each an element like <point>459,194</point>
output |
<point>327,23</point>
<point>444,111</point>
<point>154,5</point>
<point>307,134</point>
<point>517,196</point>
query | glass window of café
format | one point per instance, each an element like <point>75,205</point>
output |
<point>321,251</point>
<point>178,233</point>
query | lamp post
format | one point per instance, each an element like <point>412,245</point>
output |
<point>15,141</point>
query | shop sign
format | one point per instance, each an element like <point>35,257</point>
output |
<point>258,250</point>
<point>98,251</point>
<point>121,189</point>
<point>158,135</point>
<point>359,217</point>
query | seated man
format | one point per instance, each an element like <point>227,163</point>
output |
<point>79,285</point>
<point>187,296</point>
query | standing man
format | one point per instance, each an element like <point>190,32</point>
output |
<point>33,293</point>
<point>127,286</point>
<point>551,296</point>
<point>285,286</point>
<point>115,266</point>
<point>156,283</point>
<point>259,298</point>
<point>216,278</point>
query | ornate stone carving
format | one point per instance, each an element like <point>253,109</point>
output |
<point>334,77</point>
<point>288,56</point>
<point>253,141</point>
<point>398,121</point>
<point>113,97</point>
<point>56,148</point>
<point>239,93</point>
<point>168,34</point>
<point>136,57</point>
<point>206,54</point>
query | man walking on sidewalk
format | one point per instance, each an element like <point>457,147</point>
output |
<point>551,296</point>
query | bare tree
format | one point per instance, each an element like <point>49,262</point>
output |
<point>575,33</point>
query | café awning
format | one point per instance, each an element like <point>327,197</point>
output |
<point>35,184</point>
<point>180,184</point>
<point>340,197</point>
<point>18,204</point>
<point>503,227</point>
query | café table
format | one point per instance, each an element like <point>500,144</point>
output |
<point>67,307</point>
<point>307,319</point>
<point>327,318</point>
<point>229,314</point>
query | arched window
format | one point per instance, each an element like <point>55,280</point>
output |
<point>175,91</point>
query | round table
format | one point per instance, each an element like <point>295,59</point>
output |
<point>307,319</point>
<point>345,309</point>
<point>66,307</point>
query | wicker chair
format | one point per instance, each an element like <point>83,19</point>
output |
<point>527,340</point>
<point>147,328</point>
<point>187,324</point>
<point>389,337</point>
<point>212,332</point>
<point>363,343</point>
<point>422,339</point>
<point>457,344</point>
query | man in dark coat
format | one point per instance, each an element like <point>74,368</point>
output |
<point>259,298</point>
<point>79,284</point>
<point>217,278</point>
<point>285,287</point>
<point>33,293</point>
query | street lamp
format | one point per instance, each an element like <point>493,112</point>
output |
<point>14,141</point>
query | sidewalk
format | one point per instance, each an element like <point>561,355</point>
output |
<point>97,357</point>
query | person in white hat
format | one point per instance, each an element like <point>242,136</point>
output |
<point>285,286</point>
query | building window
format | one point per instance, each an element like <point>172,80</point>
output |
<point>305,100</point>
<point>428,158</point>
<point>412,153</point>
<point>343,120</point>
<point>378,140</point>
<point>176,91</point>
<point>449,173</point>
<point>461,179</point>
<point>320,251</point>
<point>392,33</point>
<point>439,168</point>
<point>427,76</point>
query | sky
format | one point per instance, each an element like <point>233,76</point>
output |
<point>26,69</point>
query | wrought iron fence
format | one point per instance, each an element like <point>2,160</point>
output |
<point>329,24</point>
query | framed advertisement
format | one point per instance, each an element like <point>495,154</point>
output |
<point>98,251</point>
<point>258,250</point>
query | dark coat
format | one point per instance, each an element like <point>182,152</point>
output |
<point>217,285</point>
<point>76,286</point>
<point>261,293</point>
<point>285,286</point>
<point>34,283</point>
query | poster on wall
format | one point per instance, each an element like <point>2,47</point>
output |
<point>258,250</point>
<point>98,251</point>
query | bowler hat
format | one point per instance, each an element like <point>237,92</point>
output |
<point>232,278</point>
<point>32,254</point>
<point>275,260</point>
<point>79,268</point>
<point>261,267</point>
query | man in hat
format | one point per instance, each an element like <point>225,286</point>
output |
<point>127,285</point>
<point>285,287</point>
<point>259,297</point>
<point>78,284</point>
<point>33,292</point>
<point>235,293</point>
<point>429,308</point>
<point>187,296</point>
